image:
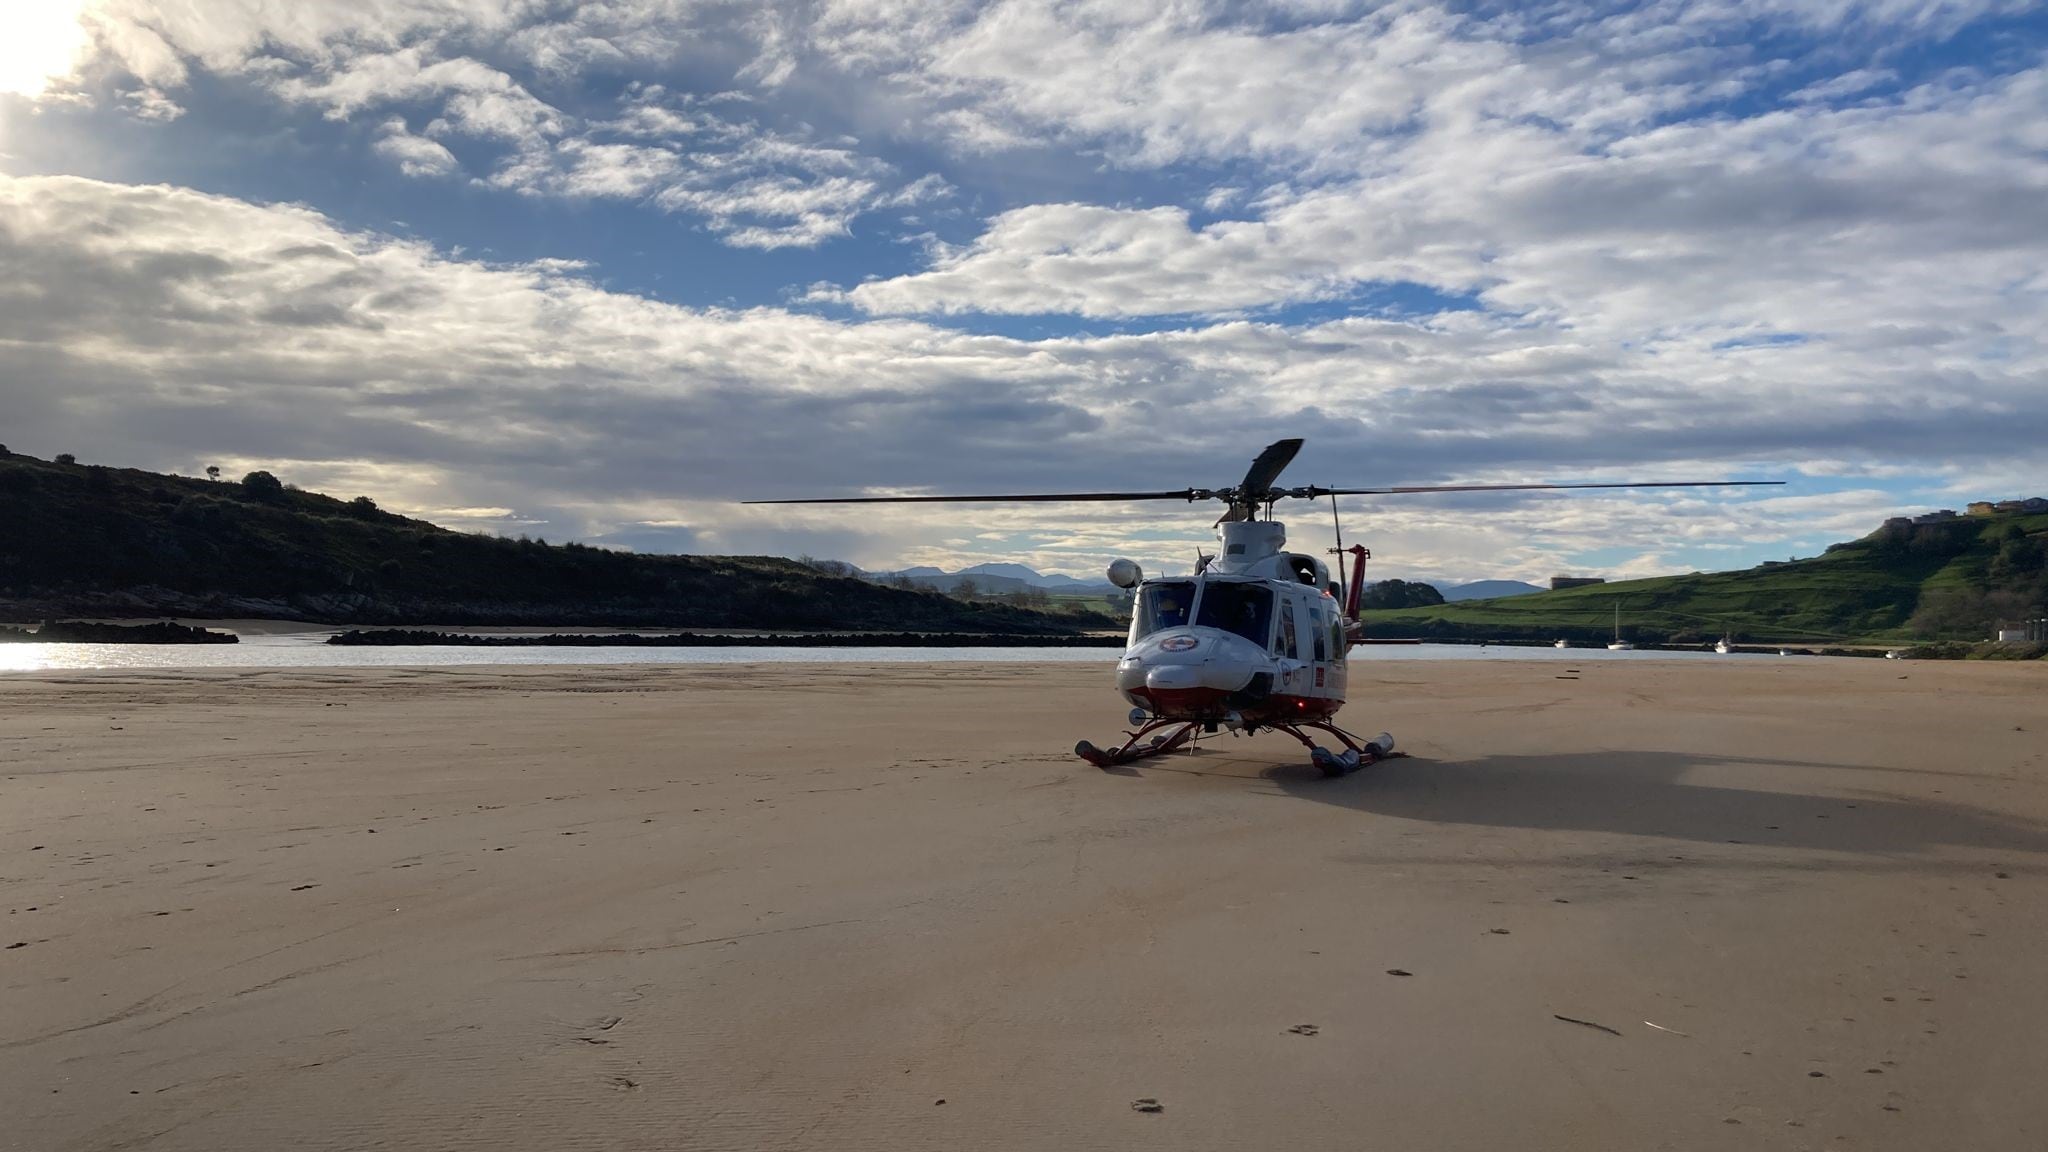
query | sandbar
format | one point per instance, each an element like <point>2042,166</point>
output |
<point>1797,905</point>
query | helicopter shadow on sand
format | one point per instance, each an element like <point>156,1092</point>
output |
<point>1646,793</point>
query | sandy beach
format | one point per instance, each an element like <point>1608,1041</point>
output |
<point>1780,905</point>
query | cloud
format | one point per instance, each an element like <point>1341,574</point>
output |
<point>150,104</point>
<point>1846,84</point>
<point>1092,260</point>
<point>1146,81</point>
<point>1902,221</point>
<point>415,155</point>
<point>476,99</point>
<point>753,187</point>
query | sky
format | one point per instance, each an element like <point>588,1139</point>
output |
<point>601,270</point>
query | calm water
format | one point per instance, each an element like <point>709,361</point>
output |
<point>309,650</point>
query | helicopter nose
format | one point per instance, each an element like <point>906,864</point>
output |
<point>1174,677</point>
<point>1187,671</point>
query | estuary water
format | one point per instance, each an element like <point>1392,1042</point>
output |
<point>308,649</point>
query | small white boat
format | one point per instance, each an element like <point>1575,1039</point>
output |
<point>1559,644</point>
<point>1723,646</point>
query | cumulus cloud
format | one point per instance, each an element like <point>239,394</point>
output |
<point>414,155</point>
<point>1813,217</point>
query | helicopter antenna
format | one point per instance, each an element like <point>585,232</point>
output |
<point>1338,524</point>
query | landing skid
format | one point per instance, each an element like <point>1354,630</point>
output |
<point>1357,753</point>
<point>1137,747</point>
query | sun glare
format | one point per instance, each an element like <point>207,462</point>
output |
<point>41,42</point>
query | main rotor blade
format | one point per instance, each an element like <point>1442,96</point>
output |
<point>1267,468</point>
<point>1018,497</point>
<point>1313,492</point>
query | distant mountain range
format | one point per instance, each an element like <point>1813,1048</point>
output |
<point>1486,590</point>
<point>1013,577</point>
<point>998,578</point>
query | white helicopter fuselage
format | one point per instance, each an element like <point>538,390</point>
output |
<point>1255,637</point>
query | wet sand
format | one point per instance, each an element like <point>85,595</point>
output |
<point>883,908</point>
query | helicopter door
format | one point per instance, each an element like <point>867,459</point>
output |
<point>1337,670</point>
<point>1319,639</point>
<point>1294,677</point>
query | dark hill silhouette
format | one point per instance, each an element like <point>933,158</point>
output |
<point>89,540</point>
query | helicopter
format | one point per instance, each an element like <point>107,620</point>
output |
<point>1256,639</point>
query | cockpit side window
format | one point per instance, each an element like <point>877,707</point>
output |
<point>1319,626</point>
<point>1162,605</point>
<point>1246,609</point>
<point>1286,646</point>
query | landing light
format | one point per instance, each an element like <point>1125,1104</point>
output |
<point>1139,716</point>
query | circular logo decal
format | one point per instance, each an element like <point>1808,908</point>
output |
<point>1177,643</point>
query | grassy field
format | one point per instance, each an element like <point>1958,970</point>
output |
<point>1864,590</point>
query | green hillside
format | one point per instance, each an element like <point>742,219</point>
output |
<point>79,540</point>
<point>1948,580</point>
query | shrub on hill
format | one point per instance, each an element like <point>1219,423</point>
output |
<point>263,486</point>
<point>1400,594</point>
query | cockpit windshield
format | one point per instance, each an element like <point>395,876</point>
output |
<point>1246,609</point>
<point>1162,605</point>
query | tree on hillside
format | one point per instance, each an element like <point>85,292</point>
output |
<point>66,458</point>
<point>827,567</point>
<point>263,486</point>
<point>966,589</point>
<point>363,508</point>
<point>1400,594</point>
<point>213,471</point>
<point>1967,613</point>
